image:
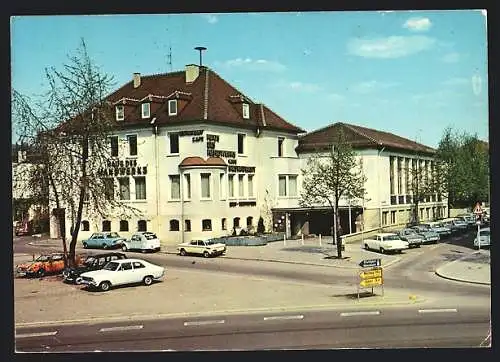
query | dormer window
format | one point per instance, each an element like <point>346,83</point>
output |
<point>172,107</point>
<point>246,111</point>
<point>120,113</point>
<point>146,110</point>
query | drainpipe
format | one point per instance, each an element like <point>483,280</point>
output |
<point>181,190</point>
<point>378,186</point>
<point>157,168</point>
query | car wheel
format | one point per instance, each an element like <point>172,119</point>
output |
<point>366,247</point>
<point>85,246</point>
<point>78,281</point>
<point>143,251</point>
<point>382,250</point>
<point>104,246</point>
<point>183,252</point>
<point>206,254</point>
<point>104,286</point>
<point>124,247</point>
<point>148,280</point>
<point>40,273</point>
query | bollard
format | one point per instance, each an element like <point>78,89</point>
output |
<point>302,239</point>
<point>284,240</point>
<point>319,239</point>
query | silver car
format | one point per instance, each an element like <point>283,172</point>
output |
<point>429,235</point>
<point>410,235</point>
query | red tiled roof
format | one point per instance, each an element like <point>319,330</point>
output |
<point>211,100</point>
<point>198,161</point>
<point>359,137</point>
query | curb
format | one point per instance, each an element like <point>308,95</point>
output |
<point>439,273</point>
<point>321,307</point>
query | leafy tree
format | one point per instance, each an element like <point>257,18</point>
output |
<point>465,168</point>
<point>69,126</point>
<point>330,176</point>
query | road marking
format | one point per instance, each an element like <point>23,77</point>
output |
<point>348,314</point>
<point>281,317</point>
<point>39,334</point>
<point>202,323</point>
<point>449,310</point>
<point>121,328</point>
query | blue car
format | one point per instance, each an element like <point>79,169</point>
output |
<point>104,240</point>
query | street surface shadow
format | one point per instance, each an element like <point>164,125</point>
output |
<point>336,257</point>
<point>309,249</point>
<point>364,294</point>
<point>116,287</point>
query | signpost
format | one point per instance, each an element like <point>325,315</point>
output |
<point>371,275</point>
<point>478,211</point>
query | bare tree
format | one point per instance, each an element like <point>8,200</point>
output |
<point>69,126</point>
<point>330,176</point>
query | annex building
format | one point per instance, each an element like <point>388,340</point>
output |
<point>200,159</point>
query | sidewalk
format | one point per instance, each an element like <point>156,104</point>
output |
<point>472,268</point>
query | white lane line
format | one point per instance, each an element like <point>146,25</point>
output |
<point>39,334</point>
<point>449,310</point>
<point>283,317</point>
<point>202,323</point>
<point>120,328</point>
<point>349,314</point>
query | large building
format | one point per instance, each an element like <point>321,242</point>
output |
<point>198,158</point>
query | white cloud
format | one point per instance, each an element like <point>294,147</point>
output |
<point>418,24</point>
<point>476,84</point>
<point>253,64</point>
<point>335,97</point>
<point>389,47</point>
<point>297,86</point>
<point>211,18</point>
<point>371,85</point>
<point>456,81</point>
<point>451,57</point>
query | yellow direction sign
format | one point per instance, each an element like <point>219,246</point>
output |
<point>371,282</point>
<point>368,274</point>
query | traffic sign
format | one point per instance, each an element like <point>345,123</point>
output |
<point>370,263</point>
<point>477,209</point>
<point>371,282</point>
<point>368,274</point>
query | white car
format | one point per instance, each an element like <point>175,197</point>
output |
<point>143,241</point>
<point>385,242</point>
<point>121,272</point>
<point>484,238</point>
<point>206,248</point>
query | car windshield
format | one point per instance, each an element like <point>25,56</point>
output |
<point>150,236</point>
<point>391,237</point>
<point>211,242</point>
<point>89,260</point>
<point>113,235</point>
<point>111,266</point>
<point>438,225</point>
<point>43,258</point>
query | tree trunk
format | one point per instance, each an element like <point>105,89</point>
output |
<point>338,240</point>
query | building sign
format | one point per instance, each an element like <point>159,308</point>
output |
<point>197,132</point>
<point>244,169</point>
<point>122,168</point>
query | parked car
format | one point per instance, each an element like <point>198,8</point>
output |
<point>143,241</point>
<point>456,226</point>
<point>484,238</point>
<point>437,227</point>
<point>122,272</point>
<point>429,235</point>
<point>93,262</point>
<point>410,235</point>
<point>470,219</point>
<point>104,240</point>
<point>52,263</point>
<point>206,248</point>
<point>384,242</point>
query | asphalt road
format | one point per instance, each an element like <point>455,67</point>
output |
<point>373,328</point>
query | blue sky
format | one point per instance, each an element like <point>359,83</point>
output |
<point>409,73</point>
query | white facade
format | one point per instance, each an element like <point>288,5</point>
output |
<point>180,214</point>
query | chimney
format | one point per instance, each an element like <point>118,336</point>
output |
<point>192,72</point>
<point>137,80</point>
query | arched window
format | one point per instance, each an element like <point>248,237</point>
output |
<point>123,225</point>
<point>174,225</point>
<point>141,225</point>
<point>224,226</point>
<point>106,225</point>
<point>249,221</point>
<point>85,225</point>
<point>236,222</point>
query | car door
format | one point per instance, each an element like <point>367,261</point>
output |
<point>125,274</point>
<point>193,247</point>
<point>139,271</point>
<point>133,242</point>
<point>201,247</point>
<point>97,240</point>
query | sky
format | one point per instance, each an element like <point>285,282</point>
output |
<point>411,73</point>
